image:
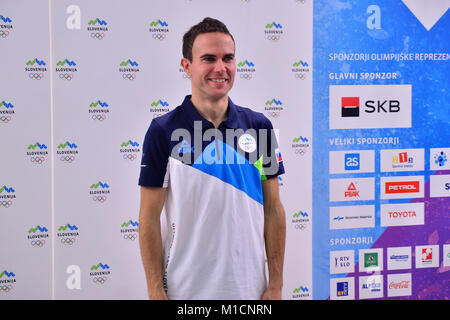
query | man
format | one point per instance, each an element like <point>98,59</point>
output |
<point>211,167</point>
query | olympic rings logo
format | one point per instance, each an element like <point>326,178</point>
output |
<point>300,226</point>
<point>5,204</point>
<point>99,198</point>
<point>36,76</point>
<point>99,117</point>
<point>158,36</point>
<point>5,119</point>
<point>273,114</point>
<point>66,76</point>
<point>246,76</point>
<point>68,241</point>
<point>130,236</point>
<point>300,76</point>
<point>273,38</point>
<point>6,288</point>
<point>185,76</point>
<point>300,151</point>
<point>129,76</point>
<point>97,35</point>
<point>38,243</point>
<point>4,34</point>
<point>68,159</point>
<point>37,160</point>
<point>99,280</point>
<point>130,156</point>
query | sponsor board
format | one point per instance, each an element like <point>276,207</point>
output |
<point>427,256</point>
<point>402,214</point>
<point>446,255</point>
<point>402,187</point>
<point>398,258</point>
<point>370,106</point>
<point>346,241</point>
<point>352,217</point>
<point>371,287</point>
<point>352,189</point>
<point>399,285</point>
<point>439,186</point>
<point>370,260</point>
<point>342,288</point>
<point>354,161</point>
<point>402,160</point>
<point>439,159</point>
<point>342,261</point>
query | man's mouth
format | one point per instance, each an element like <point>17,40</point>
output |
<point>218,80</point>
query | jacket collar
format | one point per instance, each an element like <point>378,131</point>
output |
<point>193,115</point>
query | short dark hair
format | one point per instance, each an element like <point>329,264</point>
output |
<point>207,25</point>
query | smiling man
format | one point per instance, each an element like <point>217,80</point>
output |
<point>210,212</point>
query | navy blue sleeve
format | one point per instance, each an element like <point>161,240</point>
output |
<point>272,159</point>
<point>155,156</point>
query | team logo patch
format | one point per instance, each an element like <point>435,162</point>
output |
<point>247,143</point>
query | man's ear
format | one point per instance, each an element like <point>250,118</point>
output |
<point>186,64</point>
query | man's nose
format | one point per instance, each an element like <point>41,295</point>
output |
<point>219,66</point>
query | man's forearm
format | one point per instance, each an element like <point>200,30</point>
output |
<point>275,238</point>
<point>151,252</point>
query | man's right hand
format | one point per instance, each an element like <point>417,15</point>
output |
<point>157,294</point>
<point>150,242</point>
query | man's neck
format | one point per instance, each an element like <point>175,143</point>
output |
<point>213,111</point>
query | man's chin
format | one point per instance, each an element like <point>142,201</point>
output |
<point>218,93</point>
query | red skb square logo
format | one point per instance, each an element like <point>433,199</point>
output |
<point>350,106</point>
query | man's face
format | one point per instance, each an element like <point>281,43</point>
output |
<point>213,66</point>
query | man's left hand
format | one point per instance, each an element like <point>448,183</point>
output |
<point>272,294</point>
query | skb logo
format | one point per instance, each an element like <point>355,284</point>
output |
<point>370,106</point>
<point>351,105</point>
